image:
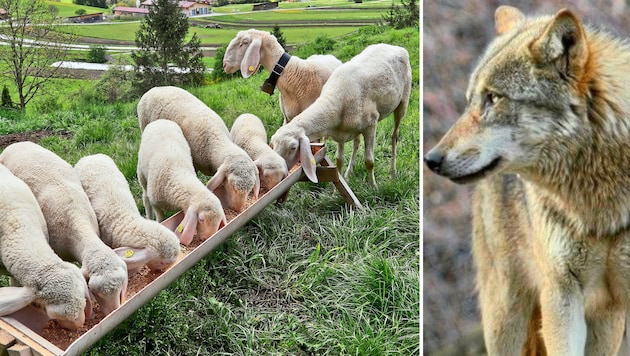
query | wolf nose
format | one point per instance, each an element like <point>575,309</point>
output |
<point>434,160</point>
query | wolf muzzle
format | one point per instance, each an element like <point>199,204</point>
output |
<point>433,159</point>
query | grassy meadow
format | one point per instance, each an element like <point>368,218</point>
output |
<point>310,276</point>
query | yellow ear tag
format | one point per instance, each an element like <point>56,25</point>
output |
<point>251,68</point>
<point>313,160</point>
<point>128,253</point>
<point>180,228</point>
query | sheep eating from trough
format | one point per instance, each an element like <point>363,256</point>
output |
<point>213,152</point>
<point>248,132</point>
<point>45,279</point>
<point>300,81</point>
<point>72,226</point>
<point>168,180</point>
<point>358,94</point>
<point>138,241</point>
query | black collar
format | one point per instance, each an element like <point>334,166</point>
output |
<point>270,83</point>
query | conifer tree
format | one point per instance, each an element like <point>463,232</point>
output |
<point>163,57</point>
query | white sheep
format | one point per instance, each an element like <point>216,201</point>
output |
<point>248,132</point>
<point>136,240</point>
<point>55,285</point>
<point>301,81</point>
<point>169,181</point>
<point>72,225</point>
<point>358,94</point>
<point>213,152</point>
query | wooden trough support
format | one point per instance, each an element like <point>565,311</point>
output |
<point>22,336</point>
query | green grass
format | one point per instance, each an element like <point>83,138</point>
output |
<point>310,276</point>
<point>67,8</point>
<point>299,16</point>
<point>208,36</point>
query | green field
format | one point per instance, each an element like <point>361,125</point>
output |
<point>311,276</point>
<point>208,36</point>
<point>300,16</point>
<point>67,8</point>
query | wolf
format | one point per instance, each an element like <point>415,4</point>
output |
<point>546,137</point>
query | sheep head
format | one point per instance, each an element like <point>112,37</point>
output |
<point>292,144</point>
<point>65,296</point>
<point>271,173</point>
<point>203,220</point>
<point>243,52</point>
<point>235,178</point>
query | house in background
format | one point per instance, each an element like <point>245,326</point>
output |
<point>130,11</point>
<point>190,8</point>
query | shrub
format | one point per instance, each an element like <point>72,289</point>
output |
<point>6,98</point>
<point>97,54</point>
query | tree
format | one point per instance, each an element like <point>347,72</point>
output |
<point>405,15</point>
<point>163,58</point>
<point>279,36</point>
<point>32,45</point>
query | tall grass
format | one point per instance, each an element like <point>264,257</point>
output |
<point>310,276</point>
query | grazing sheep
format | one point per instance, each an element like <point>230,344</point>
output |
<point>213,152</point>
<point>248,132</point>
<point>55,285</point>
<point>72,225</point>
<point>301,81</point>
<point>168,180</point>
<point>136,240</point>
<point>359,94</point>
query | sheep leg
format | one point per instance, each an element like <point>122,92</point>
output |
<point>339,158</point>
<point>355,148</point>
<point>147,205</point>
<point>159,214</point>
<point>399,113</point>
<point>369,136</point>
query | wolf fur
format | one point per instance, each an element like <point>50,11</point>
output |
<point>548,125</point>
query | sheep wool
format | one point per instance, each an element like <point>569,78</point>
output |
<point>44,278</point>
<point>136,240</point>
<point>168,179</point>
<point>213,152</point>
<point>301,81</point>
<point>72,225</point>
<point>358,94</point>
<point>248,132</point>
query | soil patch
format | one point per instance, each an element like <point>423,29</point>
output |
<point>33,136</point>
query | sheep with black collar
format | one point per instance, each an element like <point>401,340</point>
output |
<point>300,81</point>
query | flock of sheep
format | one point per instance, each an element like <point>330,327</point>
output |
<point>54,212</point>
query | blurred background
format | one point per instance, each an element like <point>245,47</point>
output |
<point>455,32</point>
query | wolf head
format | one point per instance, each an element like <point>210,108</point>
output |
<point>526,99</point>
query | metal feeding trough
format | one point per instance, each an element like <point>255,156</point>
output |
<point>21,334</point>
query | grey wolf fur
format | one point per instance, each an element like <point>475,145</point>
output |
<point>547,124</point>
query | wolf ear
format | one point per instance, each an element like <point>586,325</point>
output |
<point>506,17</point>
<point>562,43</point>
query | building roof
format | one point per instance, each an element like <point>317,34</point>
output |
<point>182,4</point>
<point>136,10</point>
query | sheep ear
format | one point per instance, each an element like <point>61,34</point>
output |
<point>188,227</point>
<point>251,59</point>
<point>257,184</point>
<point>135,257</point>
<point>307,159</point>
<point>172,222</point>
<point>217,179</point>
<point>13,299</point>
<point>88,302</point>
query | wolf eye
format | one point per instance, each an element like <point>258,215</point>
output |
<point>491,98</point>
